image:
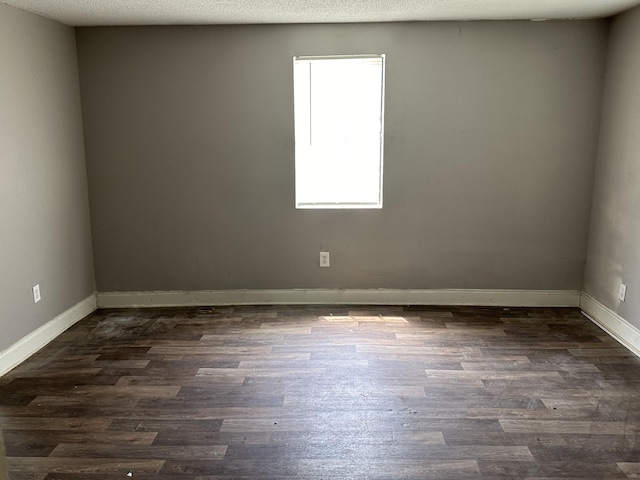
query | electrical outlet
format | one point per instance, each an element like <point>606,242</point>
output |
<point>36,293</point>
<point>623,292</point>
<point>324,259</point>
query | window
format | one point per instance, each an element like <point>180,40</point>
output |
<point>339,118</point>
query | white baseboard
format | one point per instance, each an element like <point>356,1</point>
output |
<point>30,344</point>
<point>608,320</point>
<point>611,322</point>
<point>506,298</point>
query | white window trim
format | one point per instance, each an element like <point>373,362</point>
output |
<point>349,204</point>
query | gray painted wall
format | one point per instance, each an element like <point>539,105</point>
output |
<point>614,240</point>
<point>491,137</point>
<point>45,234</point>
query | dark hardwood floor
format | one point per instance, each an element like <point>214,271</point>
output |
<point>325,393</point>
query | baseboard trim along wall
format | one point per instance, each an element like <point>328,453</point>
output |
<point>611,322</point>
<point>31,343</point>
<point>504,298</point>
<point>608,320</point>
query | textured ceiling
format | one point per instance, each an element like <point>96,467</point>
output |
<point>174,12</point>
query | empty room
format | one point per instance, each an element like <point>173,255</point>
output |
<point>276,239</point>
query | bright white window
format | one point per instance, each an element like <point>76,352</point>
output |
<point>339,119</point>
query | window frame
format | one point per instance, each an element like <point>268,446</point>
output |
<point>320,204</point>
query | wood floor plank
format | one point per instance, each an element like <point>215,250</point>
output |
<point>430,469</point>
<point>160,452</point>
<point>53,438</point>
<point>583,470</point>
<point>233,373</point>
<point>37,423</point>
<point>571,426</point>
<point>119,466</point>
<point>199,350</point>
<point>70,401</point>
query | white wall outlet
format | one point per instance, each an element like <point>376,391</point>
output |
<point>36,293</point>
<point>324,259</point>
<point>623,292</point>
